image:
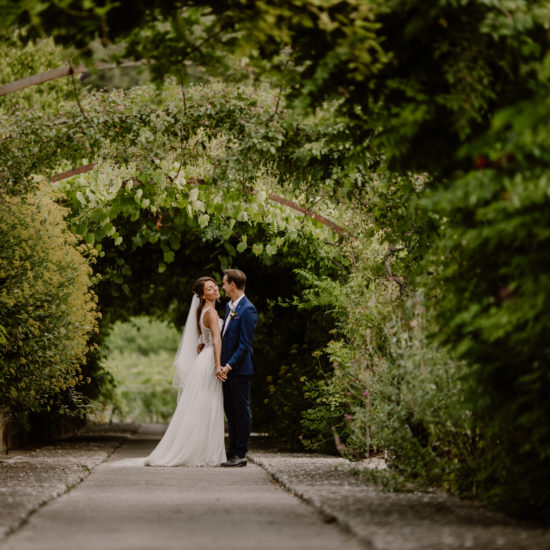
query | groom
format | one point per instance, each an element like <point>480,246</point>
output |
<point>238,329</point>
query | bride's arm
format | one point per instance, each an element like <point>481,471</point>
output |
<point>211,322</point>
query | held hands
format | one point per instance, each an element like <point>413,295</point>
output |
<point>221,373</point>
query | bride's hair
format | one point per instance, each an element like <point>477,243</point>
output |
<point>198,289</point>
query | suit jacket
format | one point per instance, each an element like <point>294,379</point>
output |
<point>237,340</point>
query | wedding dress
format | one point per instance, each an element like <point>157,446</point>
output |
<point>195,435</point>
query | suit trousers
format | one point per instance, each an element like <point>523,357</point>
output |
<point>236,403</point>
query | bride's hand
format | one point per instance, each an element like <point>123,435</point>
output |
<point>222,374</point>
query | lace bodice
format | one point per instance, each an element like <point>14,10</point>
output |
<point>206,334</point>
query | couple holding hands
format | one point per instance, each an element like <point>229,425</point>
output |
<point>214,368</point>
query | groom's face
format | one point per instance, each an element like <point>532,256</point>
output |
<point>228,287</point>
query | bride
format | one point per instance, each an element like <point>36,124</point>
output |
<point>195,435</point>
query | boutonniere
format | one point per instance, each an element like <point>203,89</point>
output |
<point>233,314</point>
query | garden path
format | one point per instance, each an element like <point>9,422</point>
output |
<point>184,508</point>
<point>50,500</point>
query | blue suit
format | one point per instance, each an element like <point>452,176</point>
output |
<point>237,352</point>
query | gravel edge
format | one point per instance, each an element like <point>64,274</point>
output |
<point>303,490</point>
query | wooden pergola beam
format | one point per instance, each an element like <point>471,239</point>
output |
<point>73,172</point>
<point>325,221</point>
<point>52,74</point>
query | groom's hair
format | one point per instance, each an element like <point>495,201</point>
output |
<point>236,276</point>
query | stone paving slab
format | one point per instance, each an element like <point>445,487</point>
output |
<point>397,521</point>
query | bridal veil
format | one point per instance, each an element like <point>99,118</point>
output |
<point>187,349</point>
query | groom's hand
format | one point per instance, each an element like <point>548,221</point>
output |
<point>220,374</point>
<point>223,373</point>
<point>200,347</point>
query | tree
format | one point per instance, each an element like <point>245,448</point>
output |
<point>47,308</point>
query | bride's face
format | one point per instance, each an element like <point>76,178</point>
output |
<point>211,291</point>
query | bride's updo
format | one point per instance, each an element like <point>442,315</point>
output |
<point>198,289</point>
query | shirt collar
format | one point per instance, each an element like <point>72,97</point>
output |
<point>233,305</point>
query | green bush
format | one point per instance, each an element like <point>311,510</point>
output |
<point>144,336</point>
<point>362,305</point>
<point>140,355</point>
<point>24,58</point>
<point>143,390</point>
<point>420,412</point>
<point>285,355</point>
<point>325,424</point>
<point>286,398</point>
<point>47,309</point>
<point>391,389</point>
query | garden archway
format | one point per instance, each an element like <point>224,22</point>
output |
<point>184,183</point>
<point>155,232</point>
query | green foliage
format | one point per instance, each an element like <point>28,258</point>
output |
<point>420,412</point>
<point>47,308</point>
<point>362,303</point>
<point>391,390</point>
<point>493,295</point>
<point>140,358</point>
<point>326,425</point>
<point>23,58</point>
<point>421,76</point>
<point>142,335</point>
<point>443,87</point>
<point>207,153</point>
<point>286,397</point>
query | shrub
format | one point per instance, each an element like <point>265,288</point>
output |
<point>291,349</point>
<point>361,304</point>
<point>420,413</point>
<point>47,308</point>
<point>140,356</point>
<point>391,388</point>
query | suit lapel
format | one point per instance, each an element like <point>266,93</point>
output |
<point>240,305</point>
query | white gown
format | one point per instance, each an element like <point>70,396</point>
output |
<point>195,435</point>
